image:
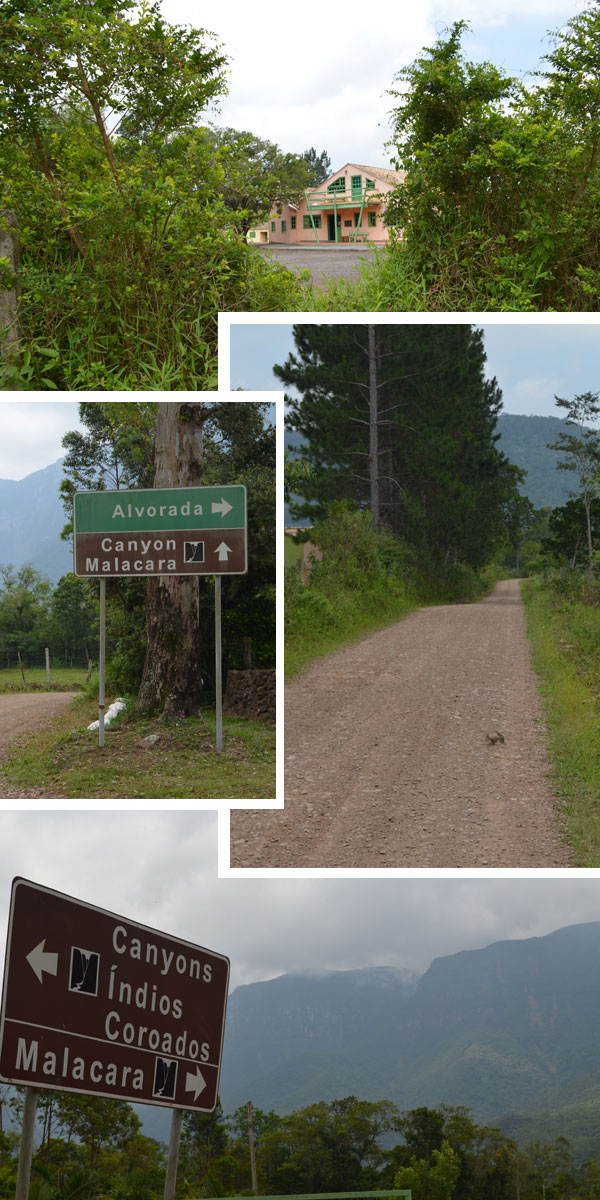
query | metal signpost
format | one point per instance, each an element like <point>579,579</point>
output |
<point>96,1003</point>
<point>161,531</point>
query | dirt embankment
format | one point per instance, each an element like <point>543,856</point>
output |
<point>387,759</point>
<point>19,715</point>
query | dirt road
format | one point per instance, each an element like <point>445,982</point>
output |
<point>20,714</point>
<point>387,763</point>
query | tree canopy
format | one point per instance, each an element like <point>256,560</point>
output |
<point>503,180</point>
<point>442,485</point>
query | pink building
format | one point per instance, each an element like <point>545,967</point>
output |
<point>347,207</point>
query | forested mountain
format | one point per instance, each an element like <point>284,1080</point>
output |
<point>525,442</point>
<point>510,1031</point>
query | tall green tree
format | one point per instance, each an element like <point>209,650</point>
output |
<point>319,165</point>
<point>413,440</point>
<point>503,181</point>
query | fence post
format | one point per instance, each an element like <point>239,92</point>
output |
<point>9,249</point>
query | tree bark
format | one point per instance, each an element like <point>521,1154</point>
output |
<point>373,427</point>
<point>171,680</point>
<point>9,249</point>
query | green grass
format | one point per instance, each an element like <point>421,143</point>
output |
<point>62,679</point>
<point>327,626</point>
<point>565,636</point>
<point>64,758</point>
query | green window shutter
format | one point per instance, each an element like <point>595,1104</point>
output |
<point>284,226</point>
<point>252,233</point>
<point>306,222</point>
<point>372,220</point>
<point>272,227</point>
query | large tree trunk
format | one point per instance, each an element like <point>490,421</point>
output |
<point>171,681</point>
<point>373,426</point>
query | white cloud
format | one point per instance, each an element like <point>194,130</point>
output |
<point>31,434</point>
<point>159,868</point>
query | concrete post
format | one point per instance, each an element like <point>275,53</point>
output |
<point>9,249</point>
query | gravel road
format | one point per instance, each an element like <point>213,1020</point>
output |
<point>324,262</point>
<point>387,762</point>
<point>20,714</point>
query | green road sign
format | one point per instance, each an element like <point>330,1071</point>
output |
<point>161,531</point>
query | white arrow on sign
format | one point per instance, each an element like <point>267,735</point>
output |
<point>223,551</point>
<point>195,1083</point>
<point>223,506</point>
<point>41,960</point>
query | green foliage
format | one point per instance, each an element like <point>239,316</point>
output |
<point>128,250</point>
<point>433,1180</point>
<point>443,487</point>
<point>565,542</point>
<point>563,614</point>
<point>25,625</point>
<point>500,205</point>
<point>319,165</point>
<point>256,173</point>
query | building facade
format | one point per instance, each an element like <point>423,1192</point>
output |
<point>348,207</point>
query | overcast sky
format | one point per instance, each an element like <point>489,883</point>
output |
<point>532,362</point>
<point>31,432</point>
<point>161,869</point>
<point>303,76</point>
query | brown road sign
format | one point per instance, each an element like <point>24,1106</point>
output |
<point>96,1003</point>
<point>179,552</point>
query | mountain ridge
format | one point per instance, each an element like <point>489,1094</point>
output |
<point>506,1029</point>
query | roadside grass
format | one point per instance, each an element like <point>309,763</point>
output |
<point>565,637</point>
<point>325,626</point>
<point>62,679</point>
<point>64,758</point>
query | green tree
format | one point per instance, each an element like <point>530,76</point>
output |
<point>204,1139</point>
<point>319,165</point>
<point>256,173</point>
<point>24,613</point>
<point>566,539</point>
<point>75,616</point>
<point>432,1179</point>
<point>581,453</point>
<point>325,1147</point>
<point>429,472</point>
<point>503,183</point>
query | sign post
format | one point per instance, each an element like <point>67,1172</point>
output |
<point>26,1147</point>
<point>161,531</point>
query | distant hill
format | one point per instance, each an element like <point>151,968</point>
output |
<point>525,441</point>
<point>510,1032</point>
<point>31,519</point>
